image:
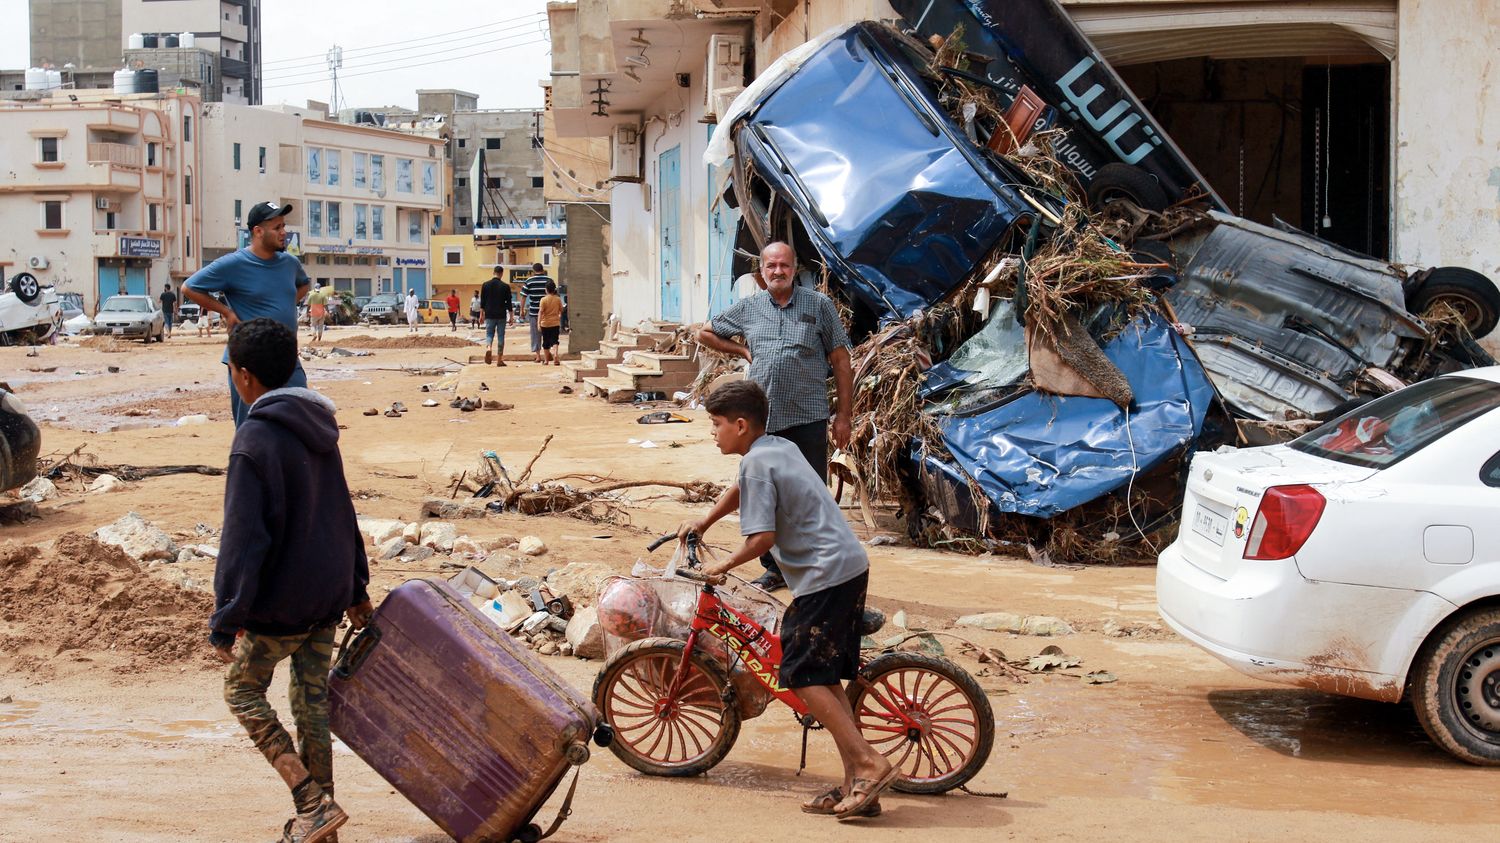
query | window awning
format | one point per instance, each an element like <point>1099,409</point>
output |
<point>1136,33</point>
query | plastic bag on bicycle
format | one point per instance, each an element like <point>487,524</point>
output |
<point>650,604</point>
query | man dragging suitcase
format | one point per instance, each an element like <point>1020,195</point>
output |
<point>291,563</point>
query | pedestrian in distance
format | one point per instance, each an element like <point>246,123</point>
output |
<point>495,300</point>
<point>258,280</point>
<point>475,313</point>
<point>291,564</point>
<point>549,319</point>
<point>793,340</point>
<point>784,504</point>
<point>317,311</point>
<point>453,304</point>
<point>533,290</point>
<point>168,308</point>
<point>412,317</point>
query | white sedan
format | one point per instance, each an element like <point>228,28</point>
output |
<point>1361,559</point>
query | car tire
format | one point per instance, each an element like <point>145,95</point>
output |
<point>26,288</point>
<point>1469,292</point>
<point>1455,687</point>
<point>1122,181</point>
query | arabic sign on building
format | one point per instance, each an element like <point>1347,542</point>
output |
<point>140,247</point>
<point>411,261</point>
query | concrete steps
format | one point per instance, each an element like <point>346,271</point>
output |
<point>648,371</point>
<point>595,364</point>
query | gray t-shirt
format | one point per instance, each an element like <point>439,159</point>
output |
<point>780,492</point>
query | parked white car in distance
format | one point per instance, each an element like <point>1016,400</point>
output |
<point>1361,559</point>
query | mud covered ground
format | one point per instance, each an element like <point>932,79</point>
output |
<point>112,726</point>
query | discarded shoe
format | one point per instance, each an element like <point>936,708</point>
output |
<point>456,403</point>
<point>424,387</point>
<point>391,413</point>
<point>496,405</point>
<point>373,412</point>
<point>567,390</point>
<point>398,407</point>
<point>469,405</point>
<point>429,403</point>
<point>662,417</point>
<point>484,387</point>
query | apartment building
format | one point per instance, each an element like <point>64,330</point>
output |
<point>102,194</point>
<point>365,200</point>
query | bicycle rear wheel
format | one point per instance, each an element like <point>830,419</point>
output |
<point>955,724</point>
<point>685,734</point>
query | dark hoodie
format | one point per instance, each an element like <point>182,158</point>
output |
<point>291,558</point>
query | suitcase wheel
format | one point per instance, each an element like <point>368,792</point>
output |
<point>577,754</point>
<point>604,735</point>
<point>530,834</point>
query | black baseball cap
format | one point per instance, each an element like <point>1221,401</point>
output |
<point>262,211</point>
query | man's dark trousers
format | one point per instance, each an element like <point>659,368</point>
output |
<point>812,440</point>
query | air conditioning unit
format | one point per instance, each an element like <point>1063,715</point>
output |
<point>625,154</point>
<point>37,262</point>
<point>104,203</point>
<point>725,75</point>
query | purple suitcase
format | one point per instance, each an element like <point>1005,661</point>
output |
<point>463,721</point>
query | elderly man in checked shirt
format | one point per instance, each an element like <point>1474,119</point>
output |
<point>793,340</point>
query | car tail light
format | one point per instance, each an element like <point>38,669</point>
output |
<point>1285,519</point>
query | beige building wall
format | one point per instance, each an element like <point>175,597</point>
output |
<point>102,197</point>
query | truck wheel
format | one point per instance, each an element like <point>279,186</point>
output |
<point>1122,181</point>
<point>1468,292</point>
<point>1455,687</point>
<point>26,288</point>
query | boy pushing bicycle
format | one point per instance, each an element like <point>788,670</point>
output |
<point>783,504</point>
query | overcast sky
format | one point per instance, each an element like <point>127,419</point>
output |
<point>496,50</point>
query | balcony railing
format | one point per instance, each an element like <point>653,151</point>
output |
<point>117,154</point>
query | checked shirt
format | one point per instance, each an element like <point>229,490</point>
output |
<point>789,348</point>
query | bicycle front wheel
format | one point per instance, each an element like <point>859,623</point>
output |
<point>656,731</point>
<point>954,724</point>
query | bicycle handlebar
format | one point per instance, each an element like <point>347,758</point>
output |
<point>651,548</point>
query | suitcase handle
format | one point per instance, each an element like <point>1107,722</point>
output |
<point>351,656</point>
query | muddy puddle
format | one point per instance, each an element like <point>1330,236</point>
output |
<point>36,718</point>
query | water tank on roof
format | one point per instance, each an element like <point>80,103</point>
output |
<point>54,80</point>
<point>149,42</point>
<point>169,41</point>
<point>137,41</point>
<point>187,39</point>
<point>36,78</point>
<point>146,81</point>
<point>125,81</point>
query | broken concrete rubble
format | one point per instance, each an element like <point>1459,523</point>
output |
<point>38,490</point>
<point>104,484</point>
<point>584,634</point>
<point>1040,625</point>
<point>139,538</point>
<point>380,530</point>
<point>438,535</point>
<point>532,546</point>
<point>468,547</point>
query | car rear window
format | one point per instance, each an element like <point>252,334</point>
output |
<point>1392,428</point>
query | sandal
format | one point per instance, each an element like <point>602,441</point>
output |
<point>863,793</point>
<point>824,804</point>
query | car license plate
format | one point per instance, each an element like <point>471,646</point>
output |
<point>1209,524</point>
<point>117,331</point>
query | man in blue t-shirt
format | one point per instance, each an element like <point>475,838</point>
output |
<point>258,280</point>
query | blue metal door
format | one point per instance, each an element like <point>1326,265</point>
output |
<point>722,222</point>
<point>416,279</point>
<point>669,180</point>
<point>109,282</point>
<point>135,280</point>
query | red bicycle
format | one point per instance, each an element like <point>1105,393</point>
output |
<point>673,709</point>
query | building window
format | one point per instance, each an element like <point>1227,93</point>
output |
<point>377,222</point>
<point>429,178</point>
<point>546,259</point>
<point>236,156</point>
<point>315,219</point>
<point>463,222</point>
<point>239,206</point>
<point>536,142</point>
<point>334,157</point>
<point>153,215</point>
<point>188,248</point>
<point>187,190</point>
<point>403,175</point>
<point>52,215</point>
<point>461,181</point>
<point>462,143</point>
<point>360,213</point>
<point>110,220</point>
<point>453,256</point>
<point>335,226</point>
<point>536,181</point>
<point>414,226</point>
<point>361,164</point>
<point>491,143</point>
<point>492,182</point>
<point>262,159</point>
<point>377,173</point>
<point>48,153</point>
<point>151,154</point>
<point>187,128</point>
<point>314,165</point>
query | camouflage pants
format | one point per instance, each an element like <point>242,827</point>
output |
<point>255,660</point>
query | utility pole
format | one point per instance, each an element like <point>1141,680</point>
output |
<point>335,61</point>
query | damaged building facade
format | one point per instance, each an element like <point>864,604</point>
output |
<point>1358,122</point>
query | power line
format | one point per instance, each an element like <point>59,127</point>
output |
<point>418,64</point>
<point>356,50</point>
<point>293,70</point>
<point>318,73</point>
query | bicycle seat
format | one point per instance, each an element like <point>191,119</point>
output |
<point>872,621</point>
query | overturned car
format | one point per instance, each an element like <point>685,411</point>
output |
<point>1039,352</point>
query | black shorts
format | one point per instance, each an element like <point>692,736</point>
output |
<point>820,635</point>
<point>550,336</point>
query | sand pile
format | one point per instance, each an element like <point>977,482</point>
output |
<point>408,341</point>
<point>85,595</point>
<point>104,343</point>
